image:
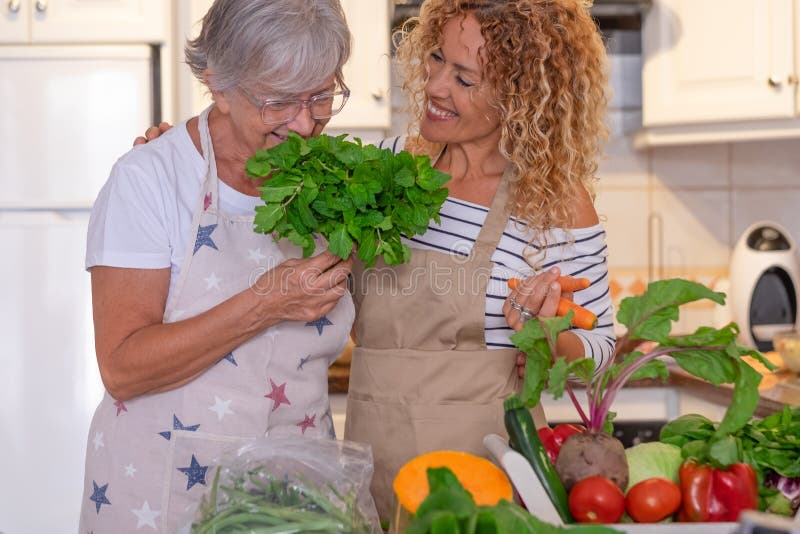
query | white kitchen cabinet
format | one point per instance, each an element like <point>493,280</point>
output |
<point>14,22</point>
<point>366,74</point>
<point>84,21</point>
<point>720,71</point>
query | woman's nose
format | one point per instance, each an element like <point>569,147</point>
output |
<point>303,123</point>
<point>437,84</point>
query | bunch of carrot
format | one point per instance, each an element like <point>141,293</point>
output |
<point>581,318</point>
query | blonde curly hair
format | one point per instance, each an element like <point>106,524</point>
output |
<point>546,63</point>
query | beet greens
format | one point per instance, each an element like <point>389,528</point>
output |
<point>709,353</point>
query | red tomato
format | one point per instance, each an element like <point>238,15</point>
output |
<point>596,500</point>
<point>652,500</point>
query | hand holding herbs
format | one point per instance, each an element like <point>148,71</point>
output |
<point>709,353</point>
<point>355,196</point>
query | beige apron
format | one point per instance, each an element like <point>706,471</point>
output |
<point>421,377</point>
<point>150,460</point>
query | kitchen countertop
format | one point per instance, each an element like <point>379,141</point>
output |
<point>778,389</point>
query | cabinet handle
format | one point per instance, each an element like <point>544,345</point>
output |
<point>377,94</point>
<point>775,82</point>
<point>41,6</point>
<point>793,80</point>
<point>13,6</point>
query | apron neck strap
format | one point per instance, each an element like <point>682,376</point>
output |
<point>496,220</point>
<point>207,146</point>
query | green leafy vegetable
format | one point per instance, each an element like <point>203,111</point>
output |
<point>653,459</point>
<point>355,196</point>
<point>450,509</point>
<point>770,445</point>
<point>710,354</point>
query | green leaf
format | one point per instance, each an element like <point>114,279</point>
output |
<point>340,242</point>
<point>686,428</point>
<point>368,247</point>
<point>725,451</point>
<point>348,153</point>
<point>404,177</point>
<point>744,400</point>
<point>649,316</point>
<point>358,193</point>
<point>276,194</point>
<point>267,217</point>
<point>431,179</point>
<point>534,340</point>
<point>652,369</point>
<point>258,166</point>
<point>385,224</point>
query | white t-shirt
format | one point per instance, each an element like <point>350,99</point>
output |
<point>142,217</point>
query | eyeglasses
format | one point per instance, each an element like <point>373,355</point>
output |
<point>321,106</point>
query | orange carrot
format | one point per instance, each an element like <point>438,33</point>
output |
<point>570,284</point>
<point>582,317</point>
<point>567,283</point>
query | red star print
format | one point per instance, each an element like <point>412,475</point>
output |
<point>120,407</point>
<point>278,395</point>
<point>307,422</point>
<point>206,201</point>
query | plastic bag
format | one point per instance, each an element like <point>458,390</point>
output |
<point>290,484</point>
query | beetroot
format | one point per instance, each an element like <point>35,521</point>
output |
<point>592,454</point>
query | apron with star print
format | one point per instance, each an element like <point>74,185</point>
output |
<point>149,460</point>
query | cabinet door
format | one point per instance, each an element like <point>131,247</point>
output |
<point>14,20</point>
<point>111,21</point>
<point>367,73</point>
<point>705,61</point>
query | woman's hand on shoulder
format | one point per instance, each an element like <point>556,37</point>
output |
<point>152,133</point>
<point>303,289</point>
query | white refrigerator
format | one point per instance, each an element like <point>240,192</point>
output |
<point>68,112</point>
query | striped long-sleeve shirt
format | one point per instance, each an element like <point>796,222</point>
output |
<point>580,252</point>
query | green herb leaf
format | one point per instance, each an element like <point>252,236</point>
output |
<point>345,191</point>
<point>340,242</point>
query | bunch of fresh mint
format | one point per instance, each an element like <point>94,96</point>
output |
<point>352,195</point>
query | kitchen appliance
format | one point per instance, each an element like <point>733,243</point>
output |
<point>764,278</point>
<point>69,111</point>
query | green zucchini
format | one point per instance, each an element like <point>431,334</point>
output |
<point>524,438</point>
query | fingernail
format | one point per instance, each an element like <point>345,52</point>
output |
<point>554,270</point>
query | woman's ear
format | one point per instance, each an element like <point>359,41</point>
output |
<point>219,97</point>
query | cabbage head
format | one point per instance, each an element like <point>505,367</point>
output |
<point>653,459</point>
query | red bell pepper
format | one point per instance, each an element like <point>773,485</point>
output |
<point>553,438</point>
<point>711,494</point>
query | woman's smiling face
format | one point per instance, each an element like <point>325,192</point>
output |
<point>457,103</point>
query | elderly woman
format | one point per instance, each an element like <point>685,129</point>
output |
<point>509,98</point>
<point>206,332</point>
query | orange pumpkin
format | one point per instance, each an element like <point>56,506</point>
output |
<point>487,483</point>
